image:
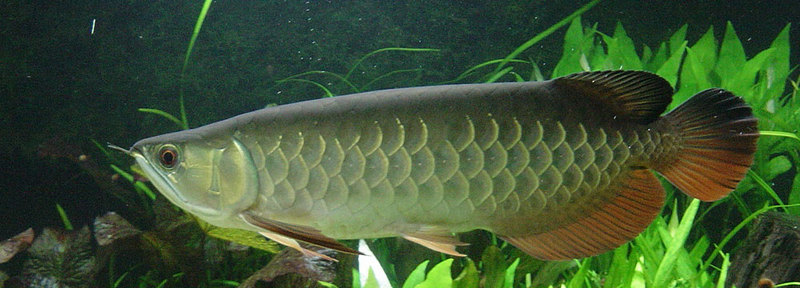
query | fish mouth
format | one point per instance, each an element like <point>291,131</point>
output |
<point>167,188</point>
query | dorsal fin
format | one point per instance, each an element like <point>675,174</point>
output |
<point>631,95</point>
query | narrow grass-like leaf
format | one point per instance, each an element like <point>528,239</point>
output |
<point>494,76</point>
<point>509,275</point>
<point>326,284</point>
<point>622,267</point>
<point>536,74</point>
<point>767,188</point>
<point>737,228</point>
<point>140,186</point>
<point>579,278</point>
<point>197,26</point>
<point>387,75</point>
<point>402,49</point>
<point>472,69</point>
<point>327,91</point>
<point>723,270</point>
<point>544,34</point>
<point>64,218</point>
<point>162,113</point>
<point>780,134</point>
<point>325,73</point>
<point>667,264</point>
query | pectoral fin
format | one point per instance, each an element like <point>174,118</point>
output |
<point>288,234</point>
<point>436,240</point>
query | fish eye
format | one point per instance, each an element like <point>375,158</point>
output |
<point>168,156</point>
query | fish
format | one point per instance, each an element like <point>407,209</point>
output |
<point>560,169</point>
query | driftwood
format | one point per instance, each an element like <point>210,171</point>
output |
<point>771,252</point>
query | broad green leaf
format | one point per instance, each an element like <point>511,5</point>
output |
<point>597,57</point>
<point>677,39</point>
<point>574,36</point>
<point>621,51</point>
<point>658,59</point>
<point>439,276</point>
<point>669,70</point>
<point>794,195</point>
<point>647,53</point>
<point>573,48</point>
<point>706,50</point>
<point>778,67</point>
<point>494,266</point>
<point>694,77</point>
<point>371,282</point>
<point>416,276</point>
<point>731,56</point>
<point>777,166</point>
<point>747,77</point>
<point>468,278</point>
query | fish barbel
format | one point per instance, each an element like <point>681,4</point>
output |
<point>559,169</point>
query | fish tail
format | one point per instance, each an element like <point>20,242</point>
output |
<point>714,146</point>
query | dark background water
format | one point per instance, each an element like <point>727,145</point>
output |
<point>61,84</point>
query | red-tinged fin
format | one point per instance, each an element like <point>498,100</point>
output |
<point>717,136</point>
<point>286,234</point>
<point>635,96</point>
<point>437,240</point>
<point>638,200</point>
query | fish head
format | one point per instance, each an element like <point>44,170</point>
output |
<point>213,178</point>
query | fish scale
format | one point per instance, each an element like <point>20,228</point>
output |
<point>502,168</point>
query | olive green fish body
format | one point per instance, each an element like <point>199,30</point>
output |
<point>539,163</point>
<point>459,166</point>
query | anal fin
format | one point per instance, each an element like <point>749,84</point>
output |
<point>288,234</point>
<point>638,198</point>
<point>436,240</point>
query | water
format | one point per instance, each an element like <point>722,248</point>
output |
<point>76,71</point>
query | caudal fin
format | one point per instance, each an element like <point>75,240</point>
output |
<point>717,136</point>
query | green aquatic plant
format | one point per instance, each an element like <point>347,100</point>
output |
<point>183,122</point>
<point>668,253</point>
<point>347,78</point>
